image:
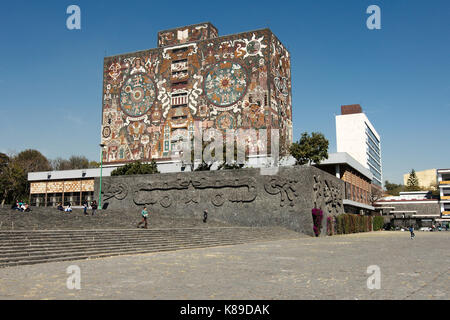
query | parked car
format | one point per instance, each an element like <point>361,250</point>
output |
<point>425,229</point>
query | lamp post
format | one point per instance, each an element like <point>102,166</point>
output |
<point>101,171</point>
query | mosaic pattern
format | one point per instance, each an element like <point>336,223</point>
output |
<point>154,99</point>
<point>62,186</point>
<point>180,35</point>
<point>137,95</point>
<point>37,187</point>
<point>225,83</point>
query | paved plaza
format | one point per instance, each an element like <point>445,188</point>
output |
<point>305,268</point>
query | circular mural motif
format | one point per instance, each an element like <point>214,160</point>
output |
<point>253,47</point>
<point>225,83</point>
<point>106,132</point>
<point>137,95</point>
<point>225,121</point>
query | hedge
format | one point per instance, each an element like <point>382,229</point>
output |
<point>349,223</point>
<point>378,223</point>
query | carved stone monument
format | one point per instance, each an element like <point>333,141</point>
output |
<point>242,197</point>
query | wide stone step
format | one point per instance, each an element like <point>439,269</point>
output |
<point>109,252</point>
<point>105,255</point>
<point>119,232</point>
<point>124,237</point>
<point>138,233</point>
<point>95,250</point>
<point>148,241</point>
<point>30,247</point>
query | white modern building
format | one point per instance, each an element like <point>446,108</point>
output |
<point>356,136</point>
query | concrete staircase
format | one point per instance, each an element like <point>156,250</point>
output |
<point>20,247</point>
<point>52,219</point>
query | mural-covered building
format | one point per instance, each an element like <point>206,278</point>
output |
<point>153,99</point>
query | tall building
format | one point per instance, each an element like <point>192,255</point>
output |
<point>356,135</point>
<point>153,99</point>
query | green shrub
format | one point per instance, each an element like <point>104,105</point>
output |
<point>378,222</point>
<point>353,223</point>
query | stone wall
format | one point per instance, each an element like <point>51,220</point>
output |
<point>242,197</point>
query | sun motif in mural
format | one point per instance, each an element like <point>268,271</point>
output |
<point>137,95</point>
<point>254,46</point>
<point>225,83</point>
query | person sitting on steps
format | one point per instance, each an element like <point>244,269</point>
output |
<point>69,208</point>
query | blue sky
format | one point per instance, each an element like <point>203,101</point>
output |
<point>51,77</point>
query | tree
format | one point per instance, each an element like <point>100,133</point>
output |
<point>393,189</point>
<point>32,161</point>
<point>226,163</point>
<point>94,164</point>
<point>413,182</point>
<point>15,175</point>
<point>376,193</point>
<point>136,168</point>
<point>4,161</point>
<point>310,149</point>
<point>74,162</point>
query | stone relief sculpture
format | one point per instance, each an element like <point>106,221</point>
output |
<point>218,191</point>
<point>284,187</point>
<point>327,195</point>
<point>117,190</point>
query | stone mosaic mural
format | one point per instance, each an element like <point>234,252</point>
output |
<point>154,99</point>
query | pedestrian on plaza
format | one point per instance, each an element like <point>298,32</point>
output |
<point>205,215</point>
<point>411,230</point>
<point>85,206</point>
<point>94,206</point>
<point>144,215</point>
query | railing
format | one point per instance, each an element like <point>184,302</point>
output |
<point>446,213</point>
<point>444,182</point>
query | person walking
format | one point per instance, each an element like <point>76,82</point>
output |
<point>144,215</point>
<point>85,206</point>
<point>94,206</point>
<point>205,215</point>
<point>411,230</point>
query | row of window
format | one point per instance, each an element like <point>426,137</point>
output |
<point>53,199</point>
<point>375,153</point>
<point>372,135</point>
<point>373,162</point>
<point>376,176</point>
<point>355,193</point>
